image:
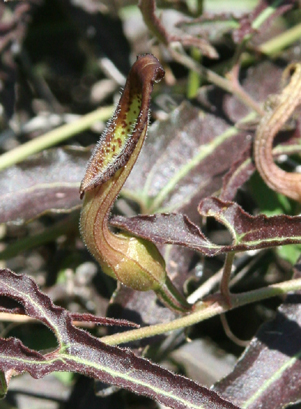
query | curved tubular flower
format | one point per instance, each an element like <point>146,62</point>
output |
<point>135,262</point>
<point>288,184</point>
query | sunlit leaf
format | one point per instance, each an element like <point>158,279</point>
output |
<point>268,373</point>
<point>259,82</point>
<point>183,160</point>
<point>250,23</point>
<point>248,232</point>
<point>48,181</point>
<point>78,351</point>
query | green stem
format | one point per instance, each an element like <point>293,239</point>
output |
<point>61,228</point>
<point>211,76</point>
<point>265,14</point>
<point>53,137</point>
<point>204,312</point>
<point>283,40</point>
<point>3,385</point>
<point>217,80</point>
<point>194,78</point>
<point>169,295</point>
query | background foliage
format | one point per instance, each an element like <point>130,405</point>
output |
<point>61,69</point>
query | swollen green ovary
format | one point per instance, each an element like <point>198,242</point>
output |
<point>140,266</point>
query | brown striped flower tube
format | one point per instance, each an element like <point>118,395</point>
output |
<point>133,261</point>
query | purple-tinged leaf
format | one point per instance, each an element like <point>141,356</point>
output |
<point>268,374</point>
<point>10,306</point>
<point>142,308</point>
<point>259,82</point>
<point>78,351</point>
<point>246,22</point>
<point>48,181</point>
<point>155,25</point>
<point>174,171</point>
<point>239,173</point>
<point>248,232</point>
<point>164,228</point>
<point>252,232</point>
<point>183,160</point>
<point>85,317</point>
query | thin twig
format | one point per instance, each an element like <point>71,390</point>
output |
<point>283,40</point>
<point>205,288</point>
<point>217,80</point>
<point>53,137</point>
<point>205,311</point>
<point>224,286</point>
<point>230,334</point>
<point>154,24</point>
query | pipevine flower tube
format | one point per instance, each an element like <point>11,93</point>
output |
<point>135,262</point>
<point>285,103</point>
